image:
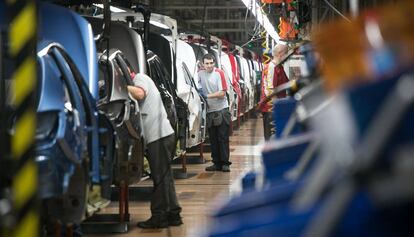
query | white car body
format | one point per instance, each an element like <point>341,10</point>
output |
<point>247,81</point>
<point>186,64</point>
<point>186,89</point>
<point>234,101</point>
<point>232,96</point>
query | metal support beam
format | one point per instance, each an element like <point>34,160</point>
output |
<point>187,7</point>
<point>325,13</point>
<point>335,10</point>
<point>210,21</point>
<point>354,6</point>
<point>315,13</point>
<point>227,30</point>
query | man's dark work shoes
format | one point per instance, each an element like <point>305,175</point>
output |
<point>175,220</point>
<point>225,168</point>
<point>213,168</point>
<point>153,223</point>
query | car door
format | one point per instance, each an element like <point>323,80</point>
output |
<point>71,206</point>
<point>97,163</point>
<point>134,124</point>
<point>243,87</point>
<point>73,105</point>
<point>158,75</point>
<point>59,137</point>
<point>124,116</point>
<point>113,92</point>
<point>180,107</point>
<point>197,128</point>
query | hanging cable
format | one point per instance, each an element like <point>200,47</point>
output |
<point>251,40</point>
<point>248,9</point>
<point>336,10</point>
<point>256,28</point>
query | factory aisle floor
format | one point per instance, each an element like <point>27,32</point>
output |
<point>202,192</point>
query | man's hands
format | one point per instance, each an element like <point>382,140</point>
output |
<point>204,95</point>
<point>260,105</point>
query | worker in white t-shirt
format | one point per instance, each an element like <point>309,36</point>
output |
<point>160,139</point>
<point>213,88</point>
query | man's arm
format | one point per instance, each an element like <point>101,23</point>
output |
<point>269,79</point>
<point>137,92</point>
<point>267,85</point>
<point>140,88</point>
<point>218,94</point>
<point>222,85</point>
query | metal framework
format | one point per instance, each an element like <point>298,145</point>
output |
<point>226,19</point>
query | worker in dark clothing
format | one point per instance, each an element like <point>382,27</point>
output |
<point>160,139</point>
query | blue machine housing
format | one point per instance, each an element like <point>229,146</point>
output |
<point>282,155</point>
<point>269,212</point>
<point>283,109</point>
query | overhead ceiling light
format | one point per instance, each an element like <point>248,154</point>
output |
<point>112,8</point>
<point>262,19</point>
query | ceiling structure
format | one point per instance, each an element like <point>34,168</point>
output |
<point>323,10</point>
<point>228,19</point>
<point>231,20</point>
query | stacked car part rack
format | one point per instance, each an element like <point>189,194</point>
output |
<point>339,166</point>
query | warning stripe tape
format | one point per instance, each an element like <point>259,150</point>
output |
<point>21,48</point>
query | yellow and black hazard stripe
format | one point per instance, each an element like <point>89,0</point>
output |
<point>21,51</point>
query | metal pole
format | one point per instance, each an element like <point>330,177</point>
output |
<point>315,13</point>
<point>354,6</point>
<point>2,101</point>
